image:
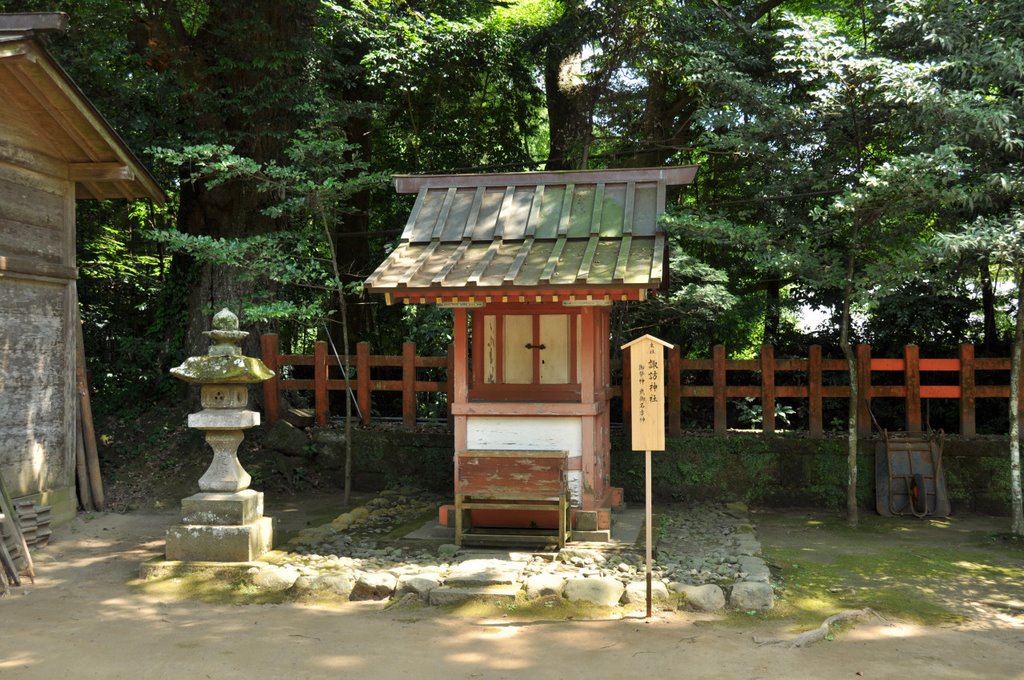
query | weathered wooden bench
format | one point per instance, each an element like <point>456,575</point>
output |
<point>511,480</point>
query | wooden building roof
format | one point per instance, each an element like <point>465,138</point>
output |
<point>69,137</point>
<point>530,235</point>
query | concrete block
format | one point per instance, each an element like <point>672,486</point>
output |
<point>221,508</point>
<point>586,520</point>
<point>205,543</point>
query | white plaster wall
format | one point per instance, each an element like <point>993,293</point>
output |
<point>510,433</point>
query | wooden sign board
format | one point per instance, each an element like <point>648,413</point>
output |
<point>647,392</point>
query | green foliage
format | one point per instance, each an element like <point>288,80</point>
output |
<point>826,484</point>
<point>307,194</point>
<point>753,469</point>
<point>700,467</point>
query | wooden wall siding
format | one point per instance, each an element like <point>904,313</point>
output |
<point>716,385</point>
<point>36,394</point>
<point>32,216</point>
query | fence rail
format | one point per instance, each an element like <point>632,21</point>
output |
<point>362,383</point>
<point>815,389</point>
<point>681,382</point>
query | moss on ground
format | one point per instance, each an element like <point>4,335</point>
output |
<point>204,587</point>
<point>925,572</point>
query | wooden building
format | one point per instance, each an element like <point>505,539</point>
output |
<point>55,149</point>
<point>531,263</point>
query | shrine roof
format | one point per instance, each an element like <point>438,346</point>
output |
<point>589,231</point>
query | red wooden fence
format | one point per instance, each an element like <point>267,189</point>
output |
<point>363,384</point>
<point>813,387</point>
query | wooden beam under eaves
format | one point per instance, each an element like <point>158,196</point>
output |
<point>33,22</point>
<point>100,172</point>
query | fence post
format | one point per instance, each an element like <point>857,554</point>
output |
<point>449,390</point>
<point>321,403</point>
<point>718,387</point>
<point>627,396</point>
<point>363,380</point>
<point>864,390</point>
<point>674,381</point>
<point>271,387</point>
<point>409,384</point>
<point>967,393</point>
<point>768,389</point>
<point>814,404</point>
<point>912,383</point>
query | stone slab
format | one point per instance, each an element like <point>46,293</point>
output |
<point>485,572</point>
<point>223,419</point>
<point>206,543</point>
<point>155,569</point>
<point>221,508</point>
<point>454,595</point>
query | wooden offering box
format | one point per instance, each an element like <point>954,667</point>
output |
<point>521,485</point>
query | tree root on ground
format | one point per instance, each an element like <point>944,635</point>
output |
<point>821,632</point>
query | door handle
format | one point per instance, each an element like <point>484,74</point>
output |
<point>530,345</point>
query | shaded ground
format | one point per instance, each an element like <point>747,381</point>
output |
<point>83,619</point>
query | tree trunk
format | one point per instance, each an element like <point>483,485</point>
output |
<point>568,109</point>
<point>851,414</point>
<point>1017,526</point>
<point>988,308</point>
<point>229,60</point>
<point>772,312</point>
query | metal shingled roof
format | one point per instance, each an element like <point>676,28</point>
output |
<point>585,231</point>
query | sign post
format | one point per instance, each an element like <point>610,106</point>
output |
<point>647,399</point>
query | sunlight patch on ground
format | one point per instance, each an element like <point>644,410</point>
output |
<point>23,661</point>
<point>339,662</point>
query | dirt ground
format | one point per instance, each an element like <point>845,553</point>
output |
<point>82,619</point>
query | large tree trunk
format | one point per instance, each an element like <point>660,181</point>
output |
<point>568,108</point>
<point>1017,525</point>
<point>237,51</point>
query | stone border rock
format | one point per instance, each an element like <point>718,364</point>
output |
<point>707,559</point>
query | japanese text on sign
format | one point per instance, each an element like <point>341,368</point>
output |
<point>647,385</point>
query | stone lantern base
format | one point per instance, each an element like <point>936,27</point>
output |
<point>221,527</point>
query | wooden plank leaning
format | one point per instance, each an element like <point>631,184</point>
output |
<point>7,509</point>
<point>92,458</point>
<point>8,568</point>
<point>81,469</point>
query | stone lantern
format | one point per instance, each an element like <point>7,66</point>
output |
<point>224,522</point>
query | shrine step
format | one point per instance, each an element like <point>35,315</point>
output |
<point>502,537</point>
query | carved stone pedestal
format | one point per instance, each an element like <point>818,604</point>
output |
<point>221,527</point>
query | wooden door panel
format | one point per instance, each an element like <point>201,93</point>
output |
<point>554,358</point>
<point>518,359</point>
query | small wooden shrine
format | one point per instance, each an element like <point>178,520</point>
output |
<point>531,264</point>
